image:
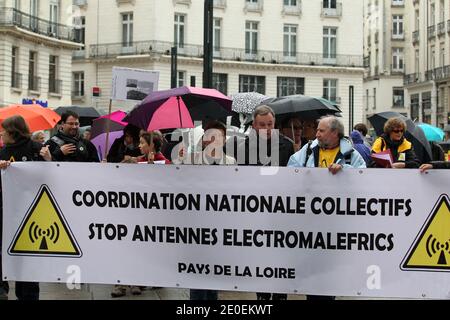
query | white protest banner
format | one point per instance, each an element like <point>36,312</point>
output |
<point>374,232</point>
<point>133,84</point>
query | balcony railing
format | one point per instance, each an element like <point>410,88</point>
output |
<point>442,73</point>
<point>397,69</point>
<point>430,75</point>
<point>54,86</point>
<point>293,10</point>
<point>79,3</point>
<point>77,94</point>
<point>398,36</point>
<point>254,6</point>
<point>12,17</point>
<point>332,12</point>
<point>366,62</point>
<point>16,80</point>
<point>221,4</point>
<point>34,83</point>
<point>78,54</point>
<point>106,51</point>
<point>431,32</point>
<point>441,28</point>
<point>411,78</point>
<point>398,3</point>
<point>416,36</point>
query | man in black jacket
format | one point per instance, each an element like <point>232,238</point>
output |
<point>67,145</point>
<point>264,146</point>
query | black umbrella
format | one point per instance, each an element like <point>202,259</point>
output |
<point>87,114</point>
<point>413,133</point>
<point>303,107</point>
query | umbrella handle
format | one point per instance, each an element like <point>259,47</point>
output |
<point>107,129</point>
<point>179,111</point>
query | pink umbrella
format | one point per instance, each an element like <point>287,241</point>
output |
<point>179,108</point>
<point>116,116</point>
<point>111,122</point>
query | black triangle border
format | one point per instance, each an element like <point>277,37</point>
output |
<point>403,266</point>
<point>78,253</point>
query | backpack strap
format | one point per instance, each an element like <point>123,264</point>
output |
<point>60,142</point>
<point>308,152</point>
<point>348,157</point>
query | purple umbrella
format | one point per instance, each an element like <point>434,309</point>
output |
<point>177,105</point>
<point>100,140</point>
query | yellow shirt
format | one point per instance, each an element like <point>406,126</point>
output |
<point>327,157</point>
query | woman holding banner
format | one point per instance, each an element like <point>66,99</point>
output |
<point>19,147</point>
<point>401,149</point>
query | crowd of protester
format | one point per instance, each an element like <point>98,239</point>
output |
<point>296,143</point>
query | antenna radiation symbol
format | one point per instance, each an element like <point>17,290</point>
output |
<point>431,249</point>
<point>44,230</point>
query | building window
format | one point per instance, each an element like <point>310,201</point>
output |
<point>78,84</point>
<point>251,38</point>
<point>442,55</point>
<point>252,84</point>
<point>34,11</point>
<point>290,86</point>
<point>53,82</point>
<point>290,40</point>
<point>54,18</point>
<point>367,99</point>
<point>397,59</point>
<point>179,30</point>
<point>181,78</point>
<point>329,4</point>
<point>397,26</point>
<point>432,14</point>
<point>33,81</point>
<point>398,98</point>
<point>127,29</point>
<point>330,89</point>
<point>417,20</point>
<point>290,3</point>
<point>433,57</point>
<point>80,30</point>
<point>217,36</point>
<point>15,76</point>
<point>374,98</point>
<point>417,62</point>
<point>329,43</point>
<point>220,82</point>
<point>415,107</point>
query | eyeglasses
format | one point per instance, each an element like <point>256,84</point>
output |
<point>76,124</point>
<point>398,131</point>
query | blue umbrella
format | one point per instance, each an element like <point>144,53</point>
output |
<point>432,133</point>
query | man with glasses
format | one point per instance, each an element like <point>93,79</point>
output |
<point>330,149</point>
<point>67,145</point>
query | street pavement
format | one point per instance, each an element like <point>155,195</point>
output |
<point>54,291</point>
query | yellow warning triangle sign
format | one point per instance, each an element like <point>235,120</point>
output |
<point>44,231</point>
<point>431,249</point>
